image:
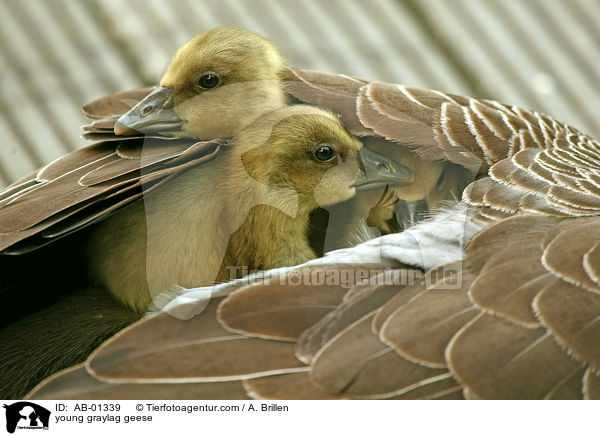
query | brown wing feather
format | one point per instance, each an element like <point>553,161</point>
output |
<point>509,282</point>
<point>444,387</point>
<point>197,349</point>
<point>296,386</point>
<point>333,91</point>
<point>573,315</point>
<point>89,184</point>
<point>115,105</point>
<point>77,384</point>
<point>281,312</point>
<point>495,358</point>
<point>591,263</point>
<point>373,369</point>
<point>397,301</point>
<point>346,313</point>
<point>564,255</point>
<point>378,107</point>
<point>421,329</point>
<point>591,385</point>
<point>570,389</point>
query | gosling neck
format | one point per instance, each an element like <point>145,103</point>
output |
<point>269,237</point>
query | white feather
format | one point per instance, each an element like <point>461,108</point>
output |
<point>429,244</point>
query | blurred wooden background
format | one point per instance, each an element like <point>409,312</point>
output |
<point>56,55</point>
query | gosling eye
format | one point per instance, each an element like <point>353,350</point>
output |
<point>324,153</point>
<point>209,80</point>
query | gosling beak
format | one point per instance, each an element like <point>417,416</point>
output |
<point>379,171</point>
<point>154,113</point>
<point>410,213</point>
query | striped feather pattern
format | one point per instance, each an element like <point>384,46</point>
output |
<point>89,184</point>
<point>520,318</point>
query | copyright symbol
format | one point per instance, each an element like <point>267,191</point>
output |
<point>139,407</point>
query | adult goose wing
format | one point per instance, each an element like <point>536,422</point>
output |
<point>87,185</point>
<point>519,318</point>
<point>501,326</point>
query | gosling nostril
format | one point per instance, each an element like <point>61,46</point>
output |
<point>384,166</point>
<point>148,110</point>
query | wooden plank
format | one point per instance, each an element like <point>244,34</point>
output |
<point>56,55</point>
<point>27,94</point>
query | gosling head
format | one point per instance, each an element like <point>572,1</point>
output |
<point>216,84</point>
<point>308,150</point>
